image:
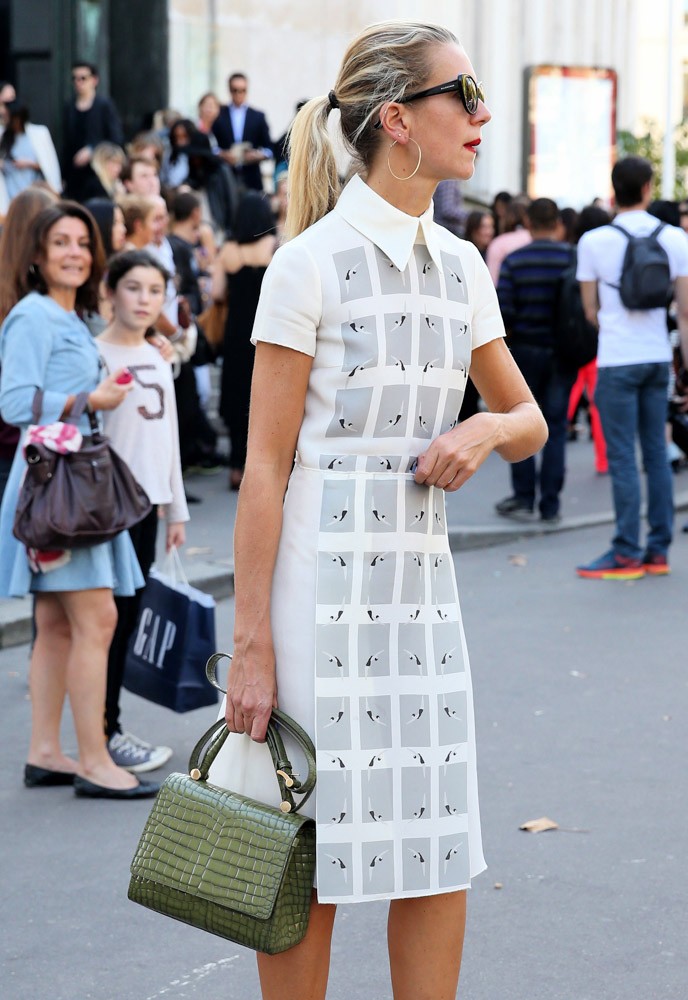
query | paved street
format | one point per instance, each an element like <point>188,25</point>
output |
<point>581,701</point>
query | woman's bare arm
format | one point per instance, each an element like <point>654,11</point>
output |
<point>278,394</point>
<point>590,300</point>
<point>218,279</point>
<point>514,427</point>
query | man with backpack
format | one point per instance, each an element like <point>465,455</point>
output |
<point>629,272</point>
<point>528,291</point>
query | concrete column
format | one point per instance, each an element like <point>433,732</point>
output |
<point>668,150</point>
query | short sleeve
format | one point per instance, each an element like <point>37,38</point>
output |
<point>290,305</point>
<point>487,323</point>
<point>585,270</point>
<point>678,244</point>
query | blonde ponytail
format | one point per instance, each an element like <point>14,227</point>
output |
<point>386,61</point>
<point>313,179</point>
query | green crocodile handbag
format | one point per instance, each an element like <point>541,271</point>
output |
<point>224,862</point>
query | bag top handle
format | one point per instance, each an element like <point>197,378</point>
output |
<point>80,405</point>
<point>288,782</point>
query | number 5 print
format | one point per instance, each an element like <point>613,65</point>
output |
<point>145,413</point>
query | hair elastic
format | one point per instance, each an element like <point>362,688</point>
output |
<point>334,103</point>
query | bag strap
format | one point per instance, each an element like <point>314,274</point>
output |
<point>37,406</point>
<point>615,225</point>
<point>287,780</point>
<point>629,236</point>
<point>80,404</point>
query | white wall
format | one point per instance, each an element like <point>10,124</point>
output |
<point>292,51</point>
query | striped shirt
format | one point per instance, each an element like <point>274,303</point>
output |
<point>528,288</point>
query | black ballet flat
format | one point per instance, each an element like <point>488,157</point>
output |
<point>43,777</point>
<point>89,789</point>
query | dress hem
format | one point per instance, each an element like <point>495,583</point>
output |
<point>410,894</point>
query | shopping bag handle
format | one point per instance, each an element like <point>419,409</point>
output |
<point>174,568</point>
<point>288,781</point>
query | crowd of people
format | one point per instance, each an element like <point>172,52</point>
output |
<point>530,247</point>
<point>122,267</point>
<point>175,189</point>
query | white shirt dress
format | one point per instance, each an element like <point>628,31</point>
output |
<point>370,650</point>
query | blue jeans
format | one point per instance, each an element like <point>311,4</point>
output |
<point>551,385</point>
<point>632,399</point>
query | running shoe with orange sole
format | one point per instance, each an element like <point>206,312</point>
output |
<point>656,564</point>
<point>612,566</point>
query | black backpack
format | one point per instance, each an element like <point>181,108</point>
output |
<point>575,338</point>
<point>645,273</point>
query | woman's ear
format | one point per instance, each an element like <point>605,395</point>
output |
<point>392,116</point>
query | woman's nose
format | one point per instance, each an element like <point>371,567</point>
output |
<point>483,113</point>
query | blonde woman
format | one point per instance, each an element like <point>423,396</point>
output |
<point>346,607</point>
<point>139,220</point>
<point>103,180</point>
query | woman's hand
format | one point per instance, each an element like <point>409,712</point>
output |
<point>163,345</point>
<point>109,394</point>
<point>176,536</point>
<point>251,690</point>
<point>82,156</point>
<point>452,458</point>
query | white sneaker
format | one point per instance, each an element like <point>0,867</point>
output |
<point>135,755</point>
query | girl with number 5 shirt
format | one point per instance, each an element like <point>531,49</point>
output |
<point>145,433</point>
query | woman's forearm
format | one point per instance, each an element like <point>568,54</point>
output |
<point>256,540</point>
<point>522,432</point>
<point>218,282</point>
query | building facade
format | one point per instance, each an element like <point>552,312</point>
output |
<point>292,51</point>
<point>167,53</point>
<point>126,39</point>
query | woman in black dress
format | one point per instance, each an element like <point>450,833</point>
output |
<point>237,277</point>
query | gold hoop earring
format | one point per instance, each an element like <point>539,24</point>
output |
<point>415,171</point>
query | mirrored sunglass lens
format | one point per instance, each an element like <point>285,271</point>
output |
<point>470,93</point>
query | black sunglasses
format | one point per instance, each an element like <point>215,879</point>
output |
<point>469,91</point>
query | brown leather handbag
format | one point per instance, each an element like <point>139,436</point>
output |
<point>79,499</point>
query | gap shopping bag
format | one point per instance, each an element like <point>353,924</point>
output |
<point>173,639</point>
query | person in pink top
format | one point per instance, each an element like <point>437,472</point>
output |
<point>516,235</point>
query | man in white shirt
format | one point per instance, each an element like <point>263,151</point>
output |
<point>242,134</point>
<point>633,376</point>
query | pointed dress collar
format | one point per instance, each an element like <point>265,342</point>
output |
<point>390,229</point>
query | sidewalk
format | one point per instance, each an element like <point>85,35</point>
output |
<point>473,524</point>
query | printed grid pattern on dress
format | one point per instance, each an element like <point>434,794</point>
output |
<point>390,661</point>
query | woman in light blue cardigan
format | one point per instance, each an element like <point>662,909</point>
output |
<point>45,345</point>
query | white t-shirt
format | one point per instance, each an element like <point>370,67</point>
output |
<point>628,337</point>
<point>143,429</point>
